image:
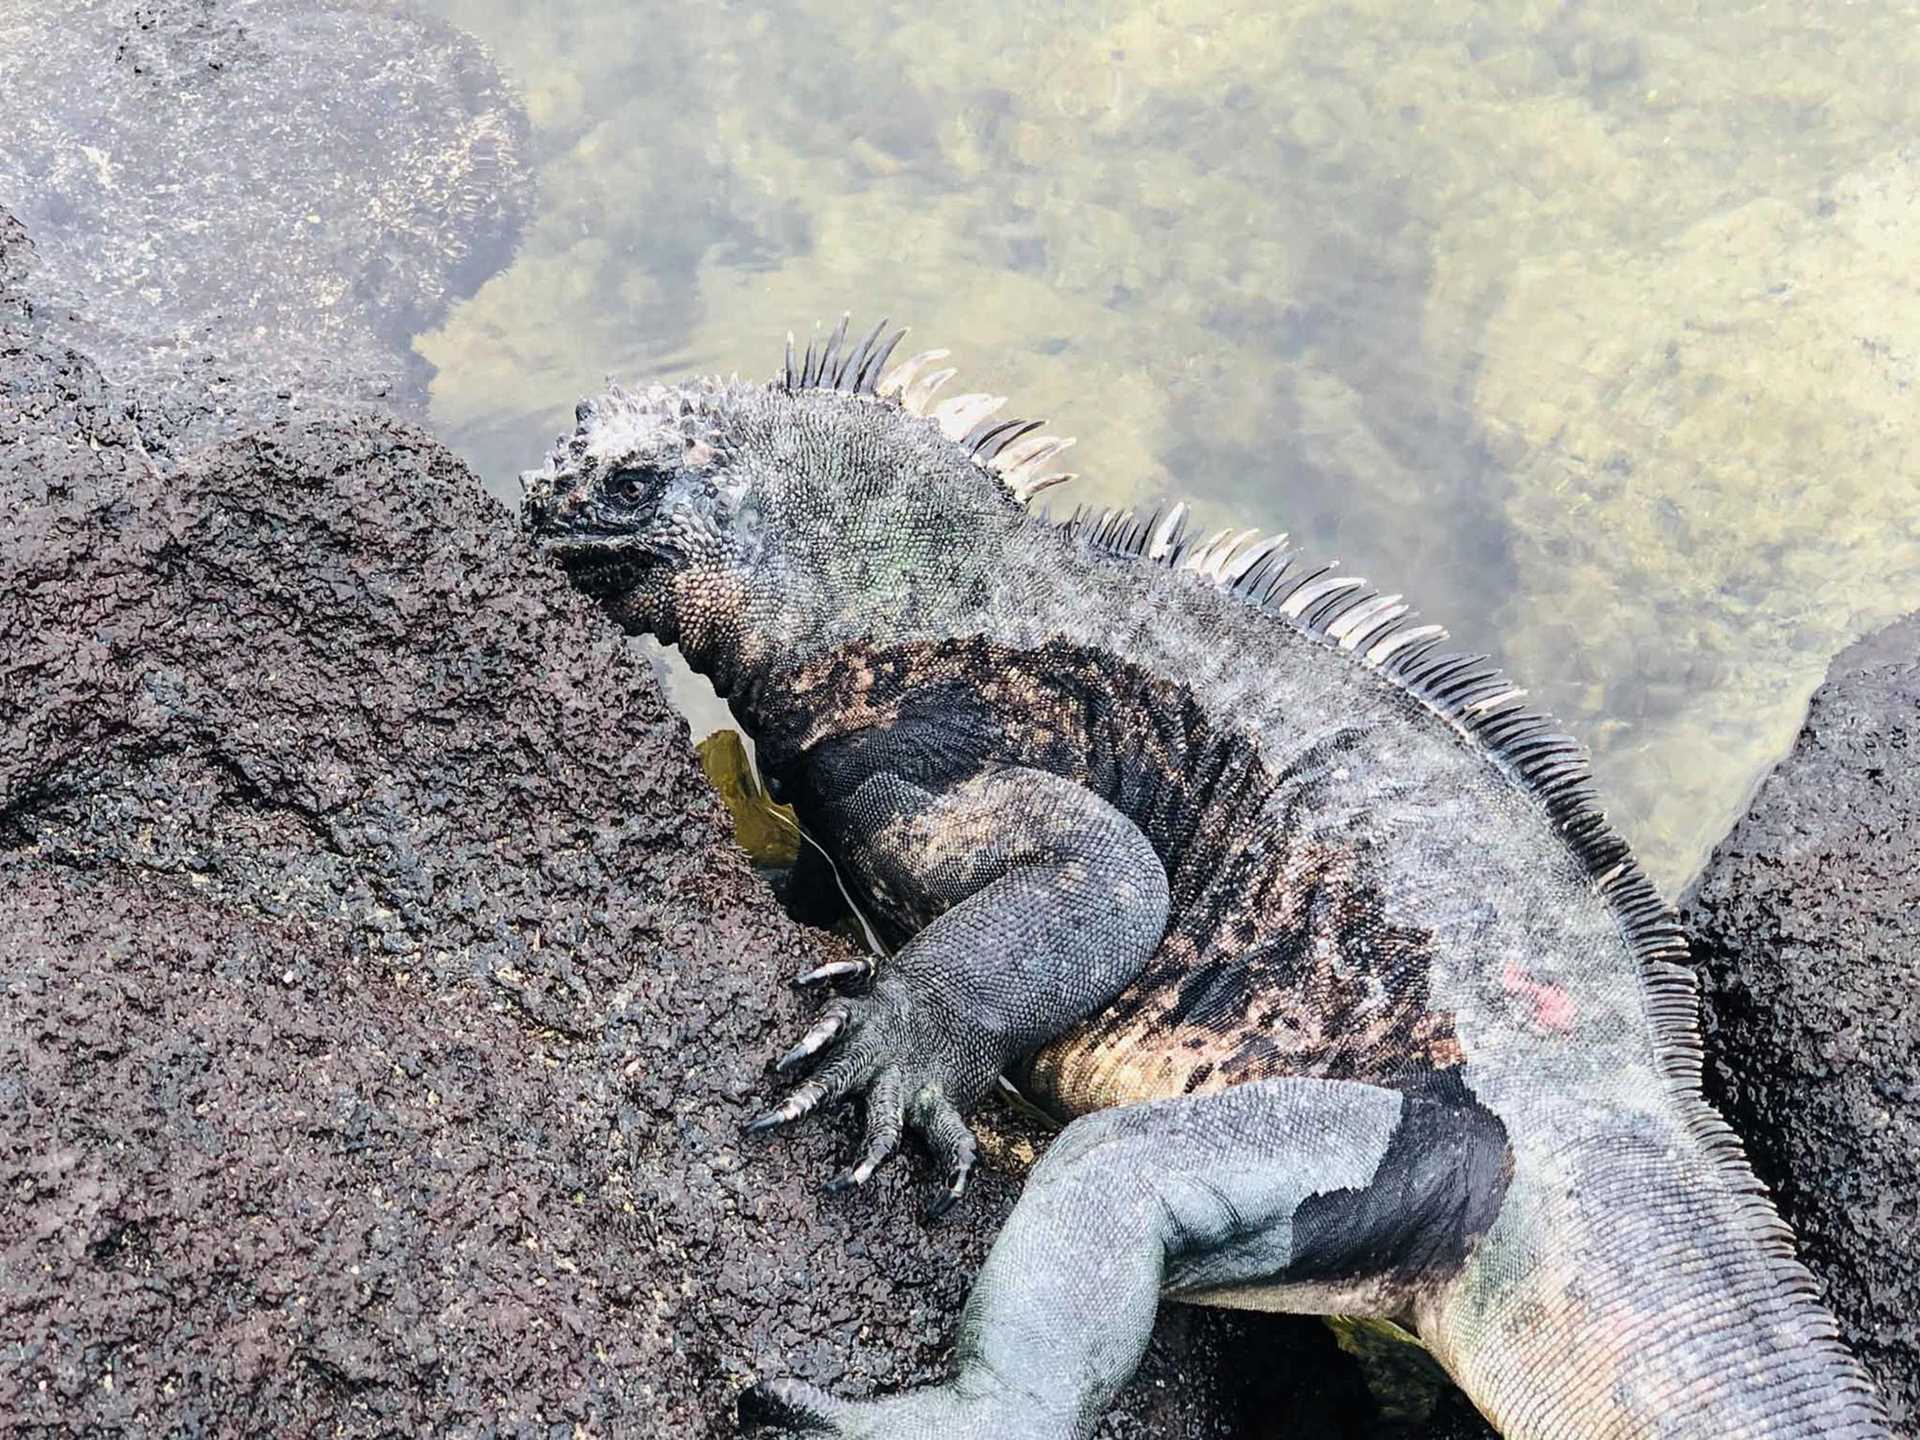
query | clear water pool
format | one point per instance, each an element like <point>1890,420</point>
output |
<point>1592,328</point>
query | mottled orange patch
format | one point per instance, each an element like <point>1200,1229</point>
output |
<point>1293,973</point>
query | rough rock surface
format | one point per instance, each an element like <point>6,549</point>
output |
<point>380,994</point>
<point>246,207</point>
<point>1807,928</point>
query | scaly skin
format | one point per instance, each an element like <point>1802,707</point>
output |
<point>1315,936</point>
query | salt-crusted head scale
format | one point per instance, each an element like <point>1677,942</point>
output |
<point>676,503</point>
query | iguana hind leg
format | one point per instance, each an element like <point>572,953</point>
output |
<point>1295,1194</point>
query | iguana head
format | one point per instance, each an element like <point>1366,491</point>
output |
<point>646,496</point>
<point>729,515</point>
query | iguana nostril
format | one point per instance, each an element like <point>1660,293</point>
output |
<point>536,500</point>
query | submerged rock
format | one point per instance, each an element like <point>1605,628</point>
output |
<point>1718,494</point>
<point>247,207</point>
<point>1806,926</point>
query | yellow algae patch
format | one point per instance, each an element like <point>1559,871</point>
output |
<point>768,832</point>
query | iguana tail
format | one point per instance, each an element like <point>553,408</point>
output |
<point>1624,1294</point>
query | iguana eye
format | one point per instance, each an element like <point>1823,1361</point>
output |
<point>628,486</point>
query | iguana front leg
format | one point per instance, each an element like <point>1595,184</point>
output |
<point>1038,902</point>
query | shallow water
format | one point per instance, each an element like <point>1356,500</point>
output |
<point>1593,329</point>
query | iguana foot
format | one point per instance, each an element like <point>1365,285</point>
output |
<point>939,1413</point>
<point>908,1060</point>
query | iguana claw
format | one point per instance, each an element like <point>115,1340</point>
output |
<point>816,1039</point>
<point>911,1073</point>
<point>854,970</point>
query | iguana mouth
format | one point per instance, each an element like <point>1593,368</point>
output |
<point>602,564</point>
<point>595,542</point>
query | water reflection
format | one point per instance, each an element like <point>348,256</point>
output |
<point>1594,330</point>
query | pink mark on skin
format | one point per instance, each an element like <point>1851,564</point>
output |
<point>1552,1006</point>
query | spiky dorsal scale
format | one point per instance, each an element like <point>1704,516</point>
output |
<point>1008,450</point>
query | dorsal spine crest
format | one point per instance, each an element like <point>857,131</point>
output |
<point>1008,450</point>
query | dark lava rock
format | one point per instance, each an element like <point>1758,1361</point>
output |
<point>247,207</point>
<point>1806,925</point>
<point>381,993</point>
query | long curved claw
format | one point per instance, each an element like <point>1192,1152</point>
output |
<point>953,1146</point>
<point>860,970</point>
<point>785,1113</point>
<point>802,1101</point>
<point>792,1405</point>
<point>886,1118</point>
<point>842,1077</point>
<point>817,1039</point>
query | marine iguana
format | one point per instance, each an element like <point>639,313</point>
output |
<point>1312,931</point>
